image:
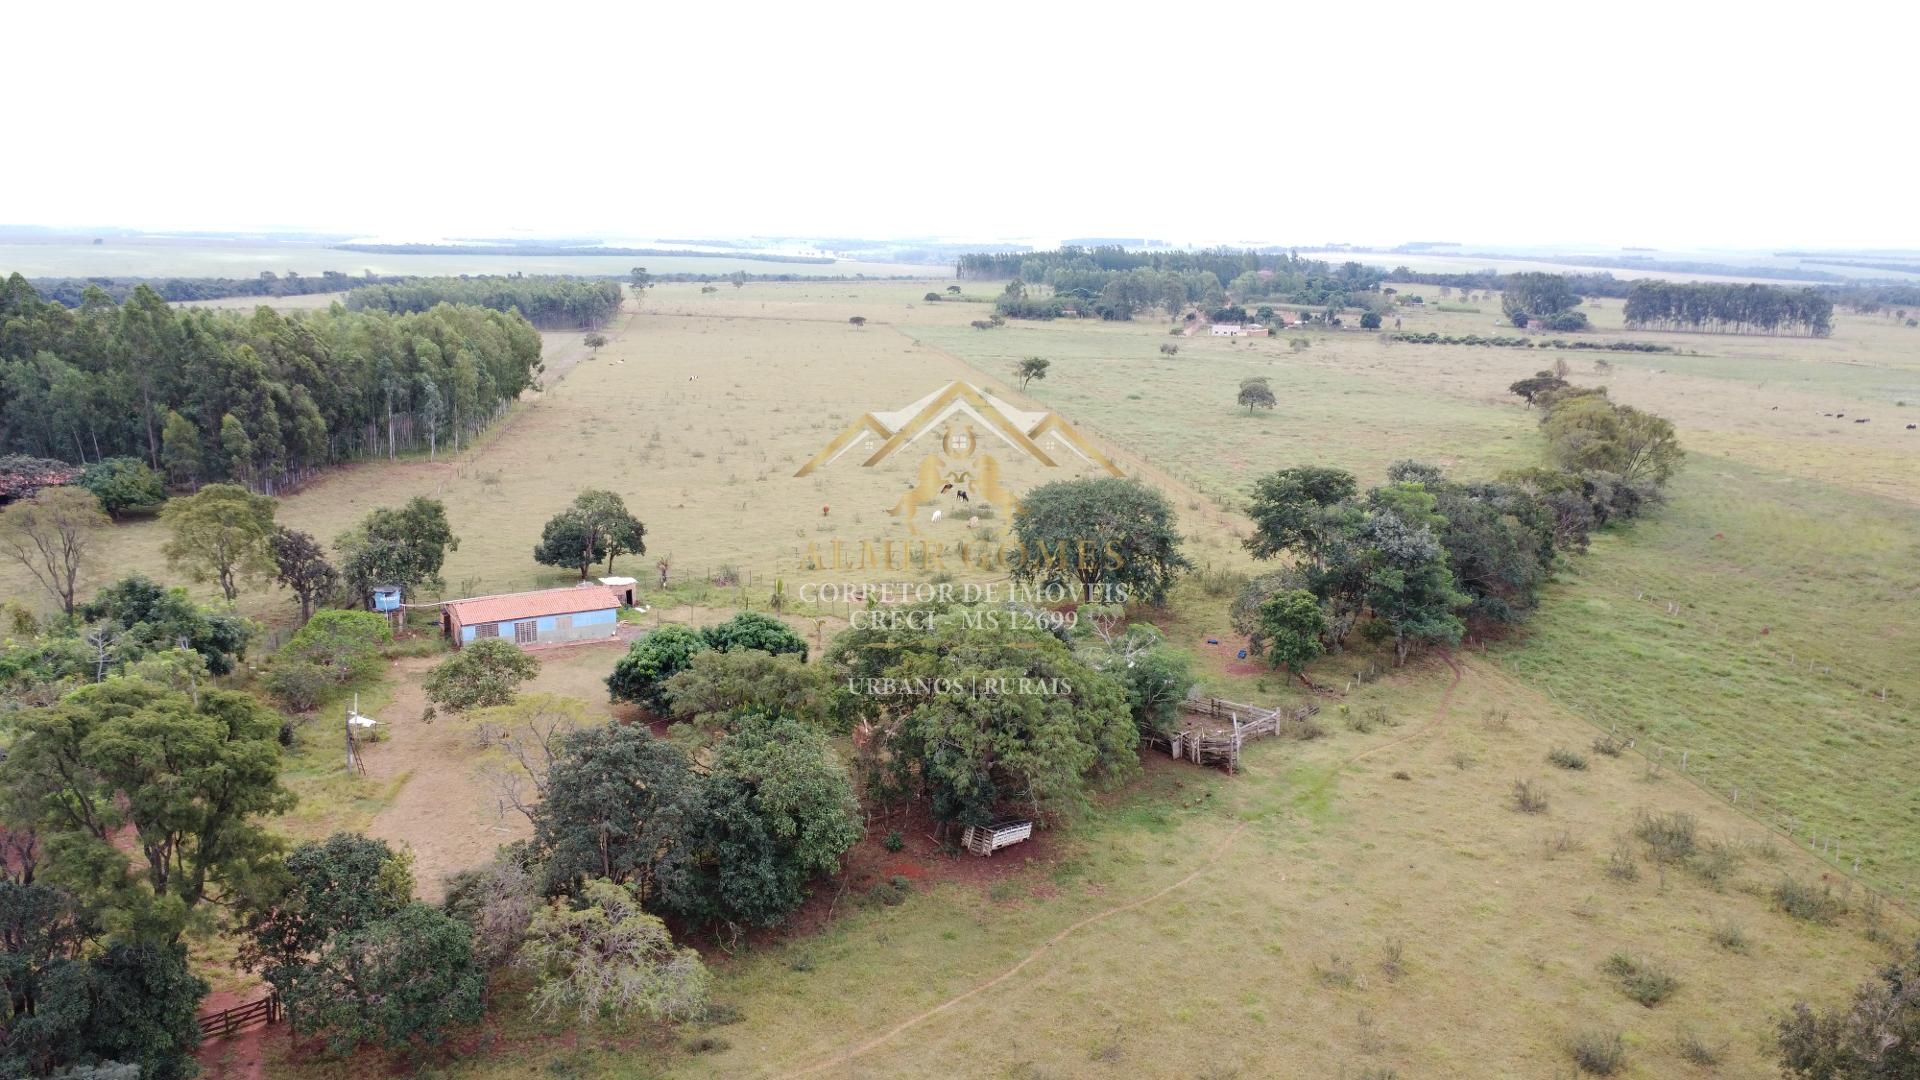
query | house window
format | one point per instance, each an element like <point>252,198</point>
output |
<point>562,623</point>
<point>525,632</point>
<point>487,629</point>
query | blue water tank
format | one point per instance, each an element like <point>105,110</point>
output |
<point>386,598</point>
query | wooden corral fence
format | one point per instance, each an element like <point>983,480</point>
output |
<point>1221,746</point>
<point>987,839</point>
<point>224,1023</point>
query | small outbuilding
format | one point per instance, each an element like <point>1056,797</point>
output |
<point>627,589</point>
<point>544,617</point>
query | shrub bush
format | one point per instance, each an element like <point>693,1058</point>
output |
<point>1601,1053</point>
<point>1802,901</point>
<point>298,686</point>
<point>1566,759</point>
<point>1529,797</point>
<point>1641,980</point>
<point>1670,838</point>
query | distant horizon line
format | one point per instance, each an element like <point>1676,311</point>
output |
<point>831,240</point>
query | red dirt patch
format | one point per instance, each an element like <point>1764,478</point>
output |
<point>240,1056</point>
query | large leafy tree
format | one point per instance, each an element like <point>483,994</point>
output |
<point>130,1002</point>
<point>622,805</point>
<point>1255,392</point>
<point>607,513</point>
<point>221,533</point>
<point>717,686</point>
<point>399,982</point>
<point>123,485</point>
<point>779,812</point>
<point>190,772</point>
<point>1113,538</point>
<point>1499,540</point>
<point>346,643</point>
<point>1536,294</point>
<point>641,675</point>
<point>1295,511</point>
<point>984,722</point>
<point>484,674</point>
<point>1410,590</point>
<point>1585,431</point>
<point>596,526</point>
<point>51,534</point>
<point>337,886</point>
<point>152,619</point>
<point>404,547</point>
<point>571,541</point>
<point>145,1003</point>
<point>1292,628</point>
<point>301,566</point>
<point>753,630</point>
<point>606,957</point>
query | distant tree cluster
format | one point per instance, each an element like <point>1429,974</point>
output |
<point>1719,308</point>
<point>549,251</point>
<point>259,399</point>
<point>1113,283</point>
<point>1498,341</point>
<point>72,292</point>
<point>1548,299</point>
<point>1588,284</point>
<point>549,302</point>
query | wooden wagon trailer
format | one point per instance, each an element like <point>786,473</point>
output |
<point>987,839</point>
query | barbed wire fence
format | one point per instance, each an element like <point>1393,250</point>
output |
<point>1861,862</point>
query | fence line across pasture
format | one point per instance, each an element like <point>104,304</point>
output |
<point>1757,807</point>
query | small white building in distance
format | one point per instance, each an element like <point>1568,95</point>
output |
<point>1238,330</point>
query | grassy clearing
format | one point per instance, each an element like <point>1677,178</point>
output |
<point>1794,605</point>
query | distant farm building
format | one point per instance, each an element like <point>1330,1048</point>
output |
<point>1238,330</point>
<point>546,617</point>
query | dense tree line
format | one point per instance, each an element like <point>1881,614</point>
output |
<point>1419,560</point>
<point>552,251</point>
<point>1593,284</point>
<point>1720,308</point>
<point>259,398</point>
<point>1114,283</point>
<point>549,302</point>
<point>71,292</point>
<point>1869,299</point>
<point>1514,342</point>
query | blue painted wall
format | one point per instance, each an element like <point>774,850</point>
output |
<point>544,627</point>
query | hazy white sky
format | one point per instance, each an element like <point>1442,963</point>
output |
<point>1672,124</point>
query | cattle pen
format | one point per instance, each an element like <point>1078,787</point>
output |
<point>1214,730</point>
